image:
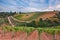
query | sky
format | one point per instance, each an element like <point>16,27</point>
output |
<point>29,5</point>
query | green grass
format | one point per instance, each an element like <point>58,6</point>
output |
<point>37,14</point>
<point>3,20</point>
<point>31,29</point>
<point>18,16</point>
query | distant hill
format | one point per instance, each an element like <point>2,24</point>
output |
<point>34,15</point>
<point>31,16</point>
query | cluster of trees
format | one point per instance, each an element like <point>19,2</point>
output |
<point>58,15</point>
<point>6,14</point>
<point>32,24</point>
<point>44,23</point>
<point>41,23</point>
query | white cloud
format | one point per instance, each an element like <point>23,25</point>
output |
<point>58,6</point>
<point>7,9</point>
<point>17,9</point>
<point>29,9</point>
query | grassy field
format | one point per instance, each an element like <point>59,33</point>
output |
<point>27,17</point>
<point>3,21</point>
<point>18,16</point>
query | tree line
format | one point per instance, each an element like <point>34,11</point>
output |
<point>46,23</point>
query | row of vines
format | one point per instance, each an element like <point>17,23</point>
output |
<point>31,29</point>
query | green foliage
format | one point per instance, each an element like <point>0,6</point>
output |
<point>57,31</point>
<point>58,15</point>
<point>7,28</point>
<point>31,29</point>
<point>37,14</point>
<point>49,31</point>
<point>32,24</point>
<point>44,23</point>
<point>40,30</point>
<point>6,14</point>
<point>24,29</point>
<point>18,16</point>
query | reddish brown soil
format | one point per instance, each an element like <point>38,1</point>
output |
<point>45,16</point>
<point>33,36</point>
<point>46,36</point>
<point>57,36</point>
<point>7,36</point>
<point>20,36</point>
<point>23,36</point>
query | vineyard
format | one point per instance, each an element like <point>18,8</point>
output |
<point>15,33</point>
<point>23,26</point>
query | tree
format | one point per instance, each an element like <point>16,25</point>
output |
<point>58,15</point>
<point>44,23</point>
<point>40,24</point>
<point>32,24</point>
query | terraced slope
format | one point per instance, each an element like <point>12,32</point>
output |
<point>45,16</point>
<point>30,16</point>
<point>34,16</point>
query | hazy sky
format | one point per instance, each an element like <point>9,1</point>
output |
<point>29,5</point>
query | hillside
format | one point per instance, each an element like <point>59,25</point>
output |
<point>23,27</point>
<point>29,18</point>
<point>34,15</point>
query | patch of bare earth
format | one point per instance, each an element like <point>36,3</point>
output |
<point>7,36</point>
<point>46,36</point>
<point>33,36</point>
<point>20,36</point>
<point>57,36</point>
<point>47,15</point>
<point>1,34</point>
<point>23,36</point>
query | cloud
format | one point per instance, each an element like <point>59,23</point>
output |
<point>29,5</point>
<point>17,9</point>
<point>58,6</point>
<point>51,8</point>
<point>8,9</point>
<point>30,9</point>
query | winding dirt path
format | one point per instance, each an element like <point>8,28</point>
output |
<point>19,20</point>
<point>10,21</point>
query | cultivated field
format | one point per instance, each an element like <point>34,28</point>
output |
<point>23,27</point>
<point>29,33</point>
